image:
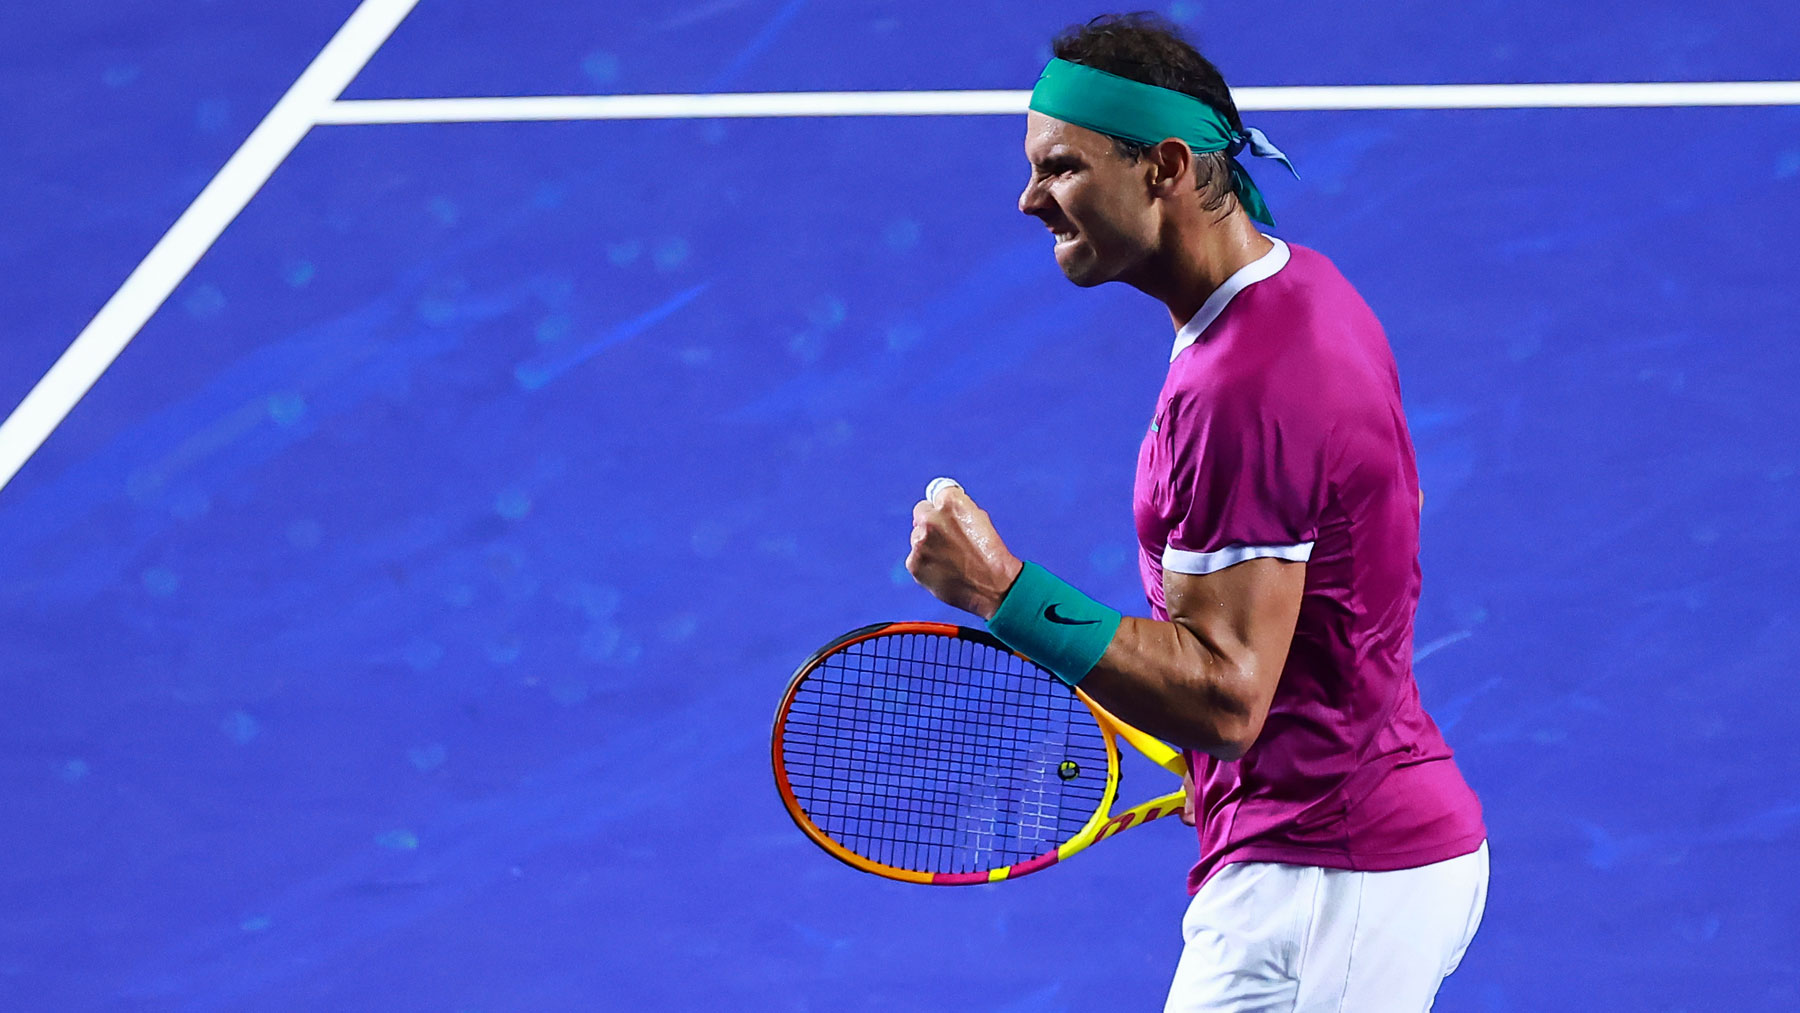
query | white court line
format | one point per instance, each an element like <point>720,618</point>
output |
<point>1001,103</point>
<point>313,101</point>
<point>173,256</point>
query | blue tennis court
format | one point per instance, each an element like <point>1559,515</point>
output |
<point>397,623</point>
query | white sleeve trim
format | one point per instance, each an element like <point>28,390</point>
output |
<point>1202,563</point>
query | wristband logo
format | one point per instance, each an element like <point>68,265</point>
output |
<point>1051,614</point>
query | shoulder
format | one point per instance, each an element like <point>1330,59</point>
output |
<point>1310,300</point>
<point>1318,339</point>
<point>1297,351</point>
<point>1272,338</point>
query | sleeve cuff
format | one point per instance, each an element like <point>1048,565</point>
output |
<point>1202,563</point>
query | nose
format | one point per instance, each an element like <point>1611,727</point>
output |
<point>1032,200</point>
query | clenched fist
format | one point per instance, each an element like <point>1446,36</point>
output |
<point>956,553</point>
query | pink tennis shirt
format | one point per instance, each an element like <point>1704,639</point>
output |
<point>1279,433</point>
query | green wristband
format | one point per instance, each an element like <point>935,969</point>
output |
<point>1053,624</point>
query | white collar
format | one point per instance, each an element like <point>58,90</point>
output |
<point>1262,267</point>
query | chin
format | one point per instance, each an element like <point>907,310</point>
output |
<point>1084,272</point>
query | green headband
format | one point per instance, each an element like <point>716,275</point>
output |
<point>1134,111</point>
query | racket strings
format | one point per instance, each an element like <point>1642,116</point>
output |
<point>940,754</point>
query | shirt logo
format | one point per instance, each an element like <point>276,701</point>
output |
<point>1051,614</point>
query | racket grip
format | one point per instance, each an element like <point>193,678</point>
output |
<point>938,485</point>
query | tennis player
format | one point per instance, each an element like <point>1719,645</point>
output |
<point>1343,859</point>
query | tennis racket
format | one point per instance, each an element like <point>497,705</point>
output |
<point>932,753</point>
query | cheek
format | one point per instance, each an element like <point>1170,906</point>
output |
<point>1105,223</point>
<point>1129,223</point>
<point>1078,206</point>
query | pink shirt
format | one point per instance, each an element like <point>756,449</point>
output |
<point>1279,433</point>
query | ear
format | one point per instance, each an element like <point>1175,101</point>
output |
<point>1170,168</point>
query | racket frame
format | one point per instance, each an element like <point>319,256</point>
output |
<point>1103,824</point>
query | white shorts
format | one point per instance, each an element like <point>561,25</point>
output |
<point>1264,937</point>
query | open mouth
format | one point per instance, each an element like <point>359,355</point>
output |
<point>1063,236</point>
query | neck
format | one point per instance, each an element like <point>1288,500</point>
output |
<point>1199,256</point>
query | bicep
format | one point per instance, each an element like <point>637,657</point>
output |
<point>1244,616</point>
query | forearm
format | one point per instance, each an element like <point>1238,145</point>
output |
<point>1166,679</point>
<point>1202,681</point>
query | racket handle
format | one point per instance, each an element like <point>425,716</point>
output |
<point>938,485</point>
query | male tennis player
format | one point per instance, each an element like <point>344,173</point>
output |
<point>1343,863</point>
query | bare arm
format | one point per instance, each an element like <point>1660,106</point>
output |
<point>1202,681</point>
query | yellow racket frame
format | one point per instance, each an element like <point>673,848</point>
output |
<point>1103,824</point>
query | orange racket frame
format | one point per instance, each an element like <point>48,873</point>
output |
<point>1102,825</point>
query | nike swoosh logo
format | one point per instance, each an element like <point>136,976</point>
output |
<point>1050,613</point>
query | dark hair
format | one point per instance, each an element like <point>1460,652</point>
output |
<point>1148,48</point>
